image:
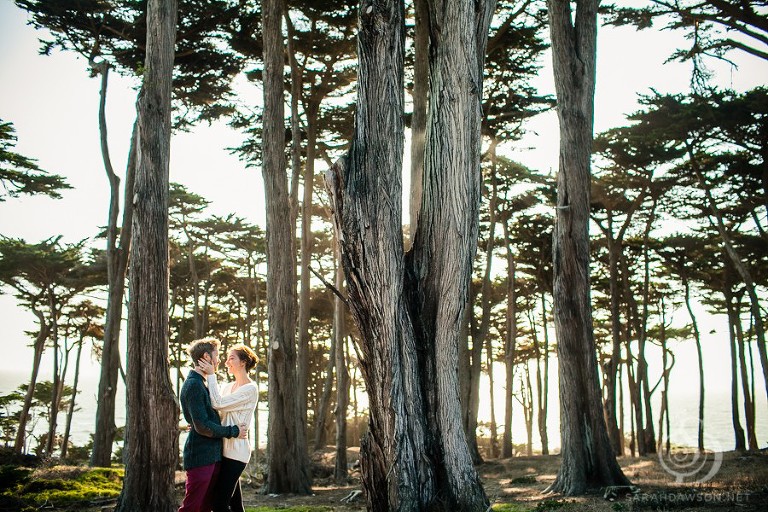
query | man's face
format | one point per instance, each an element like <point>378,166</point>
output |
<point>214,358</point>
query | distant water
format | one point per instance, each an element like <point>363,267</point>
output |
<point>683,407</point>
<point>84,418</point>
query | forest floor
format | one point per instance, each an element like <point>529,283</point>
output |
<point>517,484</point>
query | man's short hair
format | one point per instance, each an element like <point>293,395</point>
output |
<point>202,346</point>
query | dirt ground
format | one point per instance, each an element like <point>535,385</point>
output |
<point>740,484</point>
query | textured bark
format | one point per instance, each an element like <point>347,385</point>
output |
<point>321,414</point>
<point>340,472</point>
<point>415,454</point>
<point>152,437</point>
<point>614,241</point>
<point>588,459</point>
<point>306,259</point>
<point>509,345</point>
<point>420,101</point>
<point>542,381</point>
<point>117,265</point>
<point>39,347</point>
<point>287,464</point>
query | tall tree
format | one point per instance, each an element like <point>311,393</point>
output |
<point>111,35</point>
<point>41,276</point>
<point>151,407</point>
<point>409,308</point>
<point>588,459</point>
<point>287,464</point>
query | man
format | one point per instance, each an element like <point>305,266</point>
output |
<point>203,447</point>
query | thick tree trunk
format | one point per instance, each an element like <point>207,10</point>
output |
<point>117,265</point>
<point>588,458</point>
<point>509,345</point>
<point>414,456</point>
<point>151,460</point>
<point>287,464</point>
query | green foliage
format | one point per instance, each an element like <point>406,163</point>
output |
<point>20,174</point>
<point>299,508</point>
<point>11,476</point>
<point>508,507</point>
<point>111,34</point>
<point>63,485</point>
<point>527,479</point>
<point>550,504</point>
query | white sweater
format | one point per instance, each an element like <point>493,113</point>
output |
<point>235,408</point>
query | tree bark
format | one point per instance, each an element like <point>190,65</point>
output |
<point>117,266</point>
<point>413,456</point>
<point>151,448</point>
<point>543,387</point>
<point>509,345</point>
<point>700,360</point>
<point>306,259</point>
<point>420,102</point>
<point>588,459</point>
<point>340,472</point>
<point>39,347</point>
<point>287,462</point>
<point>72,400</point>
<point>738,430</point>
<point>643,383</point>
<point>749,399</point>
<point>741,269</point>
<point>321,413</point>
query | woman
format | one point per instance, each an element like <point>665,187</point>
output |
<point>235,404</point>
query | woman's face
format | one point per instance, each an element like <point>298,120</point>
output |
<point>233,362</point>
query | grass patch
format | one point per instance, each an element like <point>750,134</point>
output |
<point>66,485</point>
<point>509,507</point>
<point>289,509</point>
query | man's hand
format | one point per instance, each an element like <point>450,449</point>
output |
<point>243,431</point>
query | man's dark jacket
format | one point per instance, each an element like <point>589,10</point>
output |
<point>203,445</point>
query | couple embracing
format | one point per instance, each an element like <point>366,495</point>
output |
<point>217,447</point>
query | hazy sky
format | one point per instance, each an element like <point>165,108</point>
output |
<point>53,105</point>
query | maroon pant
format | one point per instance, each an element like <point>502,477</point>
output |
<point>197,496</point>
